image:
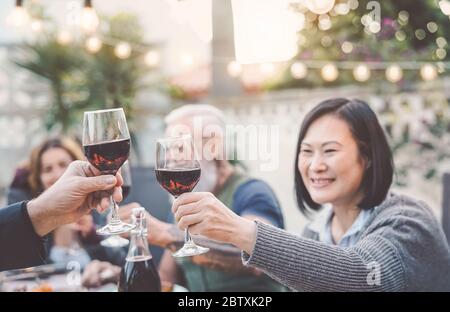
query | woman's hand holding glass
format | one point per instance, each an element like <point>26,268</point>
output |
<point>205,215</point>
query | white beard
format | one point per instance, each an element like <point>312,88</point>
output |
<point>208,178</point>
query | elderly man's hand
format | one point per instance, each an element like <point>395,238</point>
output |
<point>76,193</point>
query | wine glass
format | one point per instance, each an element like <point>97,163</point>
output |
<point>178,171</point>
<point>116,241</point>
<point>106,143</point>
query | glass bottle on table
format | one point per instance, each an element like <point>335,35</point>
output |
<point>139,274</point>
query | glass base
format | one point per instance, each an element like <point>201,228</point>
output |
<point>115,228</point>
<point>115,242</point>
<point>190,249</point>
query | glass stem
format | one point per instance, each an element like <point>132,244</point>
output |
<point>187,237</point>
<point>114,211</point>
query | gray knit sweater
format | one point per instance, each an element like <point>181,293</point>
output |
<point>402,248</point>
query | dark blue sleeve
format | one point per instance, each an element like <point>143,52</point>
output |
<point>20,246</point>
<point>255,197</point>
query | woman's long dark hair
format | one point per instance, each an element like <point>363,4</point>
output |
<point>372,145</point>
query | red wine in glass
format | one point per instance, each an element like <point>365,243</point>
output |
<point>178,180</point>
<point>139,276</point>
<point>106,142</point>
<point>177,170</point>
<point>108,157</point>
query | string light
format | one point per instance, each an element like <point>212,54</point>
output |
<point>319,6</point>
<point>324,22</point>
<point>152,58</point>
<point>400,35</point>
<point>420,34</point>
<point>361,73</point>
<point>432,27</point>
<point>347,47</point>
<point>403,18</point>
<point>187,60</point>
<point>394,73</point>
<point>93,44</point>
<point>353,4</point>
<point>428,72</point>
<point>374,27</point>
<point>441,53</point>
<point>441,42</point>
<point>342,8</point>
<point>36,26</point>
<point>89,18</point>
<point>329,72</point>
<point>64,37</point>
<point>122,50</point>
<point>267,69</point>
<point>445,6</point>
<point>234,69</point>
<point>299,70</point>
<point>18,16</point>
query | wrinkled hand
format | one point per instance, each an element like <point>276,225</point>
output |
<point>80,189</point>
<point>157,230</point>
<point>98,273</point>
<point>205,215</point>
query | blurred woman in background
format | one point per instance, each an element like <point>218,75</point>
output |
<point>47,163</point>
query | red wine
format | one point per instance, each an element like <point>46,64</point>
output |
<point>108,157</point>
<point>125,191</point>
<point>139,276</point>
<point>178,181</point>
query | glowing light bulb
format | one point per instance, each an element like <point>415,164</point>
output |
<point>342,8</point>
<point>267,69</point>
<point>445,6</point>
<point>361,73</point>
<point>64,37</point>
<point>394,73</point>
<point>329,72</point>
<point>187,60</point>
<point>273,40</point>
<point>428,72</point>
<point>18,16</point>
<point>324,22</point>
<point>234,69</point>
<point>89,18</point>
<point>319,6</point>
<point>93,44</point>
<point>299,70</point>
<point>122,50</point>
<point>152,58</point>
<point>36,26</point>
<point>347,47</point>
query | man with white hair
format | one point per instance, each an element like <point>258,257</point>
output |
<point>221,268</point>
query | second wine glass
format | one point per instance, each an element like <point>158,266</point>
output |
<point>178,171</point>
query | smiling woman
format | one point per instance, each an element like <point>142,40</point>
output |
<point>365,238</point>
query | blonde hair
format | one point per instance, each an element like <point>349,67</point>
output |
<point>67,144</point>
